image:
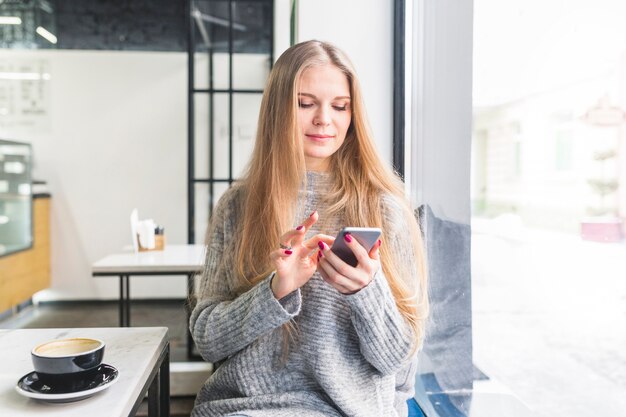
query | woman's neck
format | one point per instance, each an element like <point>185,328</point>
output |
<point>316,164</point>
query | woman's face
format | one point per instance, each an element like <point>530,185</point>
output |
<point>324,114</point>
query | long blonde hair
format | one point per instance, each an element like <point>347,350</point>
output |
<point>361,180</point>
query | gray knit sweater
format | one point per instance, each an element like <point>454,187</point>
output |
<point>351,355</point>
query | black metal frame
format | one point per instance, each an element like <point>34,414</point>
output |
<point>399,24</point>
<point>210,92</point>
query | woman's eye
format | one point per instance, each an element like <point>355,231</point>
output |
<point>341,108</point>
<point>305,105</point>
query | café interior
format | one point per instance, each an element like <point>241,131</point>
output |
<point>121,125</point>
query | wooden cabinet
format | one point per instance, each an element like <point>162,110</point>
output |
<point>24,273</point>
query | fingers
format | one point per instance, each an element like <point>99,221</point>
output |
<point>310,221</point>
<point>280,253</point>
<point>289,238</point>
<point>313,242</point>
<point>295,236</point>
<point>343,277</point>
<point>334,282</point>
<point>304,227</point>
<point>362,257</point>
<point>359,251</point>
<point>374,252</point>
<point>343,273</point>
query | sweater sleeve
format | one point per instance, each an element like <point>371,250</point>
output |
<point>223,323</point>
<point>386,339</point>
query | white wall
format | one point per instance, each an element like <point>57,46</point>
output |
<point>116,140</point>
<point>364,30</point>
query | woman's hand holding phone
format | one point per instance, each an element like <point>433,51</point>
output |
<point>342,276</point>
<point>295,261</point>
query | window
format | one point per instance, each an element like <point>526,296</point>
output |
<point>547,249</point>
<point>230,56</point>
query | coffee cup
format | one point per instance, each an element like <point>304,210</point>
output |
<point>67,356</point>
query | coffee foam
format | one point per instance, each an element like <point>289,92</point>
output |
<point>67,347</point>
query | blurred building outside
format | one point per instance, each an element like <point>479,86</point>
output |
<point>556,160</point>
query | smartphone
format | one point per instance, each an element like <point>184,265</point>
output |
<point>366,236</point>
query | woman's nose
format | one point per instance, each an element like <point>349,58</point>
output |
<point>322,117</point>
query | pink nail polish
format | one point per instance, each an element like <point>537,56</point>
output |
<point>319,255</point>
<point>321,245</point>
<point>288,252</point>
<point>380,242</point>
<point>347,237</point>
<point>313,214</point>
<point>299,227</point>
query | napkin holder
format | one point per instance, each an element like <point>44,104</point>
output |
<point>147,235</point>
<point>159,243</point>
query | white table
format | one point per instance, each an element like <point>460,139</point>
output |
<point>140,354</point>
<point>173,260</point>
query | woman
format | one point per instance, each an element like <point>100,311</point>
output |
<point>295,330</point>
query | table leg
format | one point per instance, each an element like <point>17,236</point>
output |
<point>159,391</point>
<point>127,301</point>
<point>164,376</point>
<point>121,301</point>
<point>124,307</point>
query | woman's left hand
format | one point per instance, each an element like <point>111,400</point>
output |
<point>345,278</point>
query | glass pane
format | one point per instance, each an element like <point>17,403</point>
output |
<point>221,65</point>
<point>245,120</point>
<point>250,71</point>
<point>221,133</point>
<point>252,26</point>
<point>201,207</point>
<point>211,28</point>
<point>201,149</point>
<point>549,203</point>
<point>28,24</point>
<point>201,70</point>
<point>252,43</point>
<point>15,197</point>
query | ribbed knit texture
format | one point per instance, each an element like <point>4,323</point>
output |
<point>351,355</point>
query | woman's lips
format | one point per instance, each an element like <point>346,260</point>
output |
<point>319,138</point>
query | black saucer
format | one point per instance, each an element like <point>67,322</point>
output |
<point>67,387</point>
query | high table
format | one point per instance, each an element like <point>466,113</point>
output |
<point>173,260</point>
<point>140,354</point>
